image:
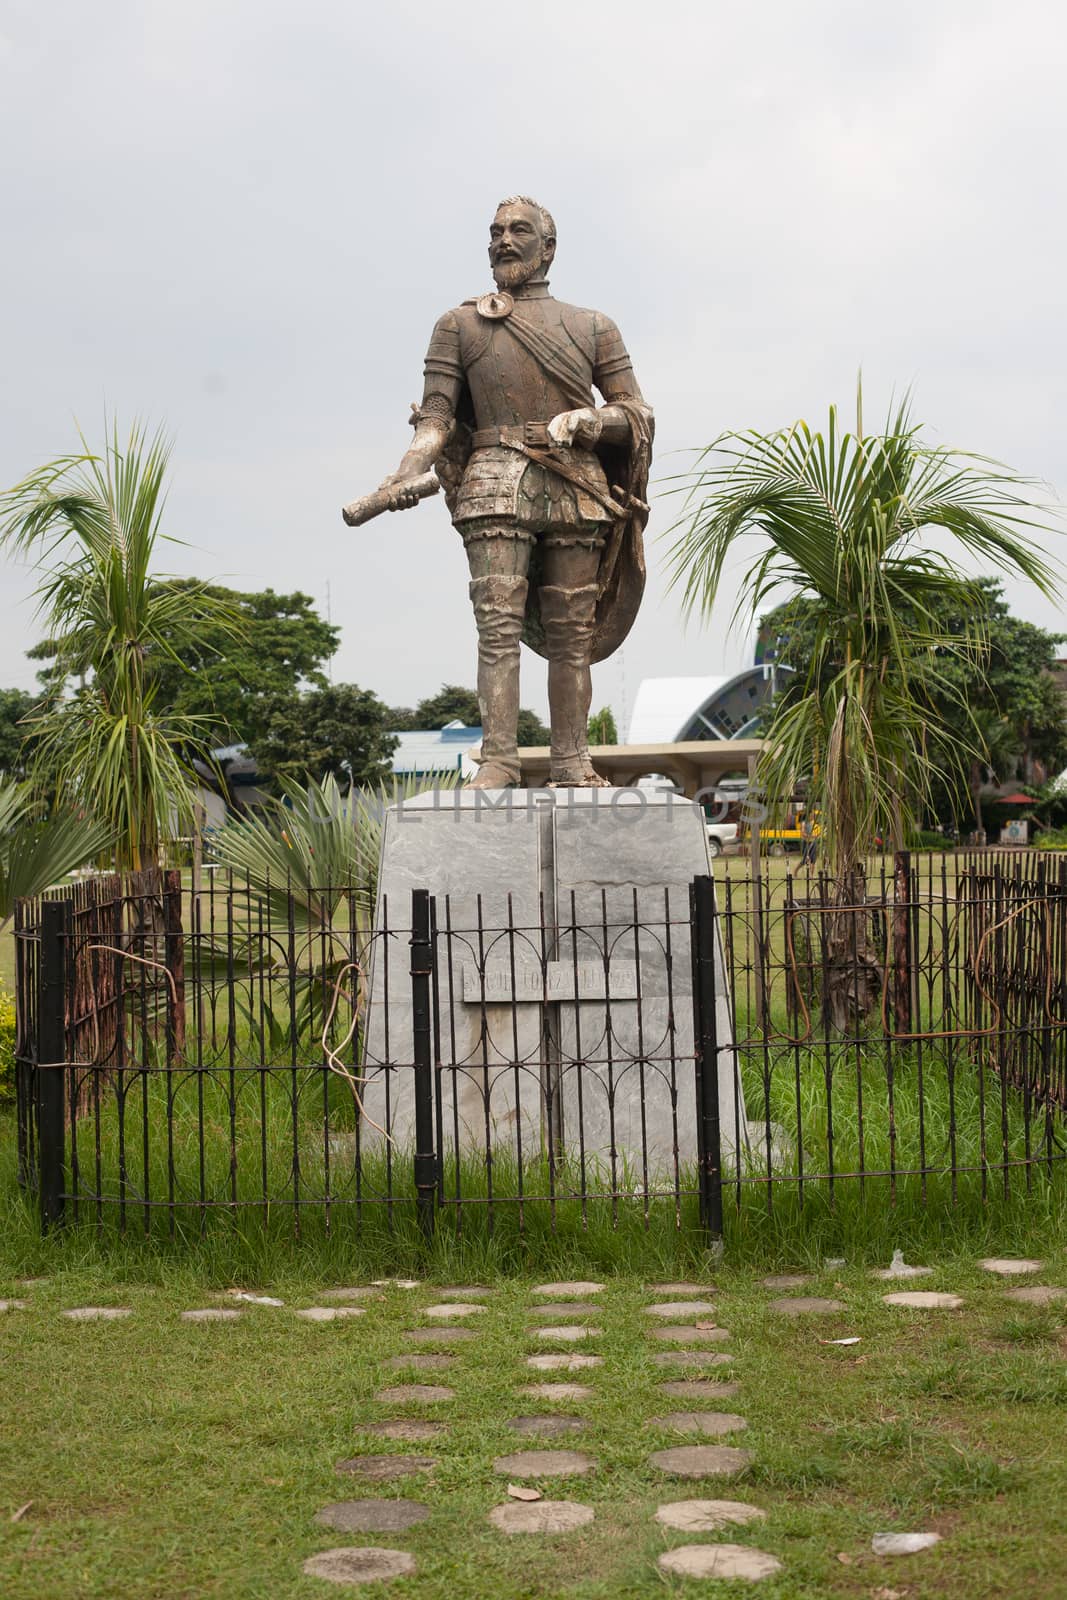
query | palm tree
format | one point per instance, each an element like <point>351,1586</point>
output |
<point>845,519</point>
<point>36,851</point>
<point>92,524</point>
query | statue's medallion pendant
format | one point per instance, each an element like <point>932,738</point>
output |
<point>495,306</point>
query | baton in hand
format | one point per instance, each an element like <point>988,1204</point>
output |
<point>372,505</point>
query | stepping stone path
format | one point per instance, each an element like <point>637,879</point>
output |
<point>330,1313</point>
<point>468,1292</point>
<point>924,1300</point>
<point>420,1363</point>
<point>564,1308</point>
<point>713,1424</point>
<point>382,1469</point>
<point>701,1460</point>
<point>898,1268</point>
<point>547,1427</point>
<point>212,1314</point>
<point>786,1280</point>
<point>372,1516</point>
<point>685,1334</point>
<point>357,1293</point>
<point>707,1516</point>
<point>414,1393</point>
<point>438,1335</point>
<point>455,1308</point>
<point>1010,1269</point>
<point>412,1432</point>
<point>719,1561</point>
<point>1038,1294</point>
<point>360,1564</point>
<point>98,1313</point>
<point>540,1516</point>
<point>567,1291</point>
<point>544,1464</point>
<point>563,1363</point>
<point>12,1305</point>
<point>395,1283</point>
<point>681,1308</point>
<point>570,1335</point>
<point>903,1544</point>
<point>691,1358</point>
<point>806,1305</point>
<point>698,1389</point>
<point>681,1288</point>
<point>557,1391</point>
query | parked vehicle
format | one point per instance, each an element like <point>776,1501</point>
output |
<point>720,835</point>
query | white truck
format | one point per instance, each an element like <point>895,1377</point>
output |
<point>721,835</point>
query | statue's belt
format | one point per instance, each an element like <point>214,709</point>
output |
<point>531,439</point>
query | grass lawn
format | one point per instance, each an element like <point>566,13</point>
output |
<point>167,1460</point>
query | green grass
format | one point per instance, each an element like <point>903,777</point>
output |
<point>169,1461</point>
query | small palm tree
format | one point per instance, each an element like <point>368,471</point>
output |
<point>37,852</point>
<point>92,524</point>
<point>846,519</point>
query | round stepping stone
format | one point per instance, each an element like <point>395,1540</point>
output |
<point>454,1308</point>
<point>571,1335</point>
<point>98,1313</point>
<point>567,1291</point>
<point>924,1300</point>
<point>211,1314</point>
<point>563,1363</point>
<point>372,1516</point>
<point>698,1389</point>
<point>707,1516</point>
<point>701,1460</point>
<point>557,1391</point>
<point>413,1432</point>
<point>685,1333</point>
<point>713,1424</point>
<point>719,1561</point>
<point>409,1393</point>
<point>565,1308</point>
<point>691,1358</point>
<point>1007,1268</point>
<point>546,1427</point>
<point>330,1313</point>
<point>12,1305</point>
<point>382,1469</point>
<point>540,1516</point>
<point>806,1305</point>
<point>899,1268</point>
<point>357,1292</point>
<point>1038,1294</point>
<point>467,1292</point>
<point>786,1280</point>
<point>438,1335</point>
<point>395,1283</point>
<point>420,1363</point>
<point>544,1464</point>
<point>364,1563</point>
<point>673,1309</point>
<point>680,1288</point>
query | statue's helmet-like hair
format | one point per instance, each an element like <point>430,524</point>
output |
<point>548,226</point>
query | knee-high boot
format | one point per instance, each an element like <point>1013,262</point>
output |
<point>499,609</point>
<point>568,616</point>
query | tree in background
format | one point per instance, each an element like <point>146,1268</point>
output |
<point>16,733</point>
<point>108,749</point>
<point>842,519</point>
<point>602,729</point>
<point>338,731</point>
<point>453,703</point>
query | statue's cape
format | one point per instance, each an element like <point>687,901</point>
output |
<point>622,564</point>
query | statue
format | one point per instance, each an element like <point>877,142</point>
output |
<point>546,489</point>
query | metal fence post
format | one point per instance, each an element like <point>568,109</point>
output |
<point>422,1055</point>
<point>51,1055</point>
<point>709,1133</point>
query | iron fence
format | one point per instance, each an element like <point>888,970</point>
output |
<point>254,1048</point>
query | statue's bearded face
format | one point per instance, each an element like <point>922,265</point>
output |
<point>517,247</point>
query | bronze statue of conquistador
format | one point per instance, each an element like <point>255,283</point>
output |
<point>547,490</point>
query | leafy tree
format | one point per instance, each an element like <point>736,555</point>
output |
<point>108,749</point>
<point>602,729</point>
<point>453,703</point>
<point>16,736</point>
<point>842,519</point>
<point>340,731</point>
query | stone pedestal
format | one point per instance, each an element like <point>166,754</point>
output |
<point>564,979</point>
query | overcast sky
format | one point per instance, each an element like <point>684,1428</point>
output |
<point>242,218</point>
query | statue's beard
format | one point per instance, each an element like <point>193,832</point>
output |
<point>513,274</point>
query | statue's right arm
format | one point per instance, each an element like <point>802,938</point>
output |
<point>433,419</point>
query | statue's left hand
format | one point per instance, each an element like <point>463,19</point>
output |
<point>575,428</point>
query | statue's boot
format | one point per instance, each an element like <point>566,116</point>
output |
<point>499,610</point>
<point>568,616</point>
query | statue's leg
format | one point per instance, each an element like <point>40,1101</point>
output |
<point>568,609</point>
<point>499,555</point>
